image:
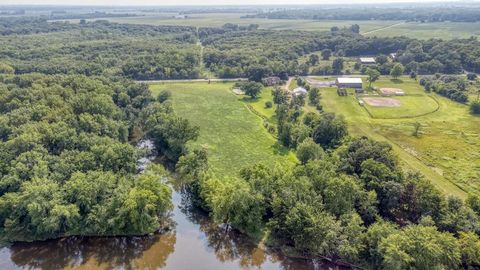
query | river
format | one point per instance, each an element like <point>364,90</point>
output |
<point>193,243</point>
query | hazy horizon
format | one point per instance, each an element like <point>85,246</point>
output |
<point>209,2</point>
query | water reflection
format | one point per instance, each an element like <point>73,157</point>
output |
<point>195,243</point>
<point>150,252</point>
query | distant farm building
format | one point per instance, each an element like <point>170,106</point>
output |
<point>367,60</point>
<point>180,16</point>
<point>355,83</point>
<point>299,91</point>
<point>393,55</point>
<point>269,81</point>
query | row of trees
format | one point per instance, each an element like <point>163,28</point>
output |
<point>418,12</point>
<point>67,166</point>
<point>453,87</point>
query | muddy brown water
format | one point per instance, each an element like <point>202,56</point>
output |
<point>194,243</point>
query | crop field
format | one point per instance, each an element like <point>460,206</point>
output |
<point>447,151</point>
<point>233,135</point>
<point>444,30</point>
<point>219,19</point>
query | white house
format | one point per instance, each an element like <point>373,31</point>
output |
<point>299,91</point>
<point>367,60</point>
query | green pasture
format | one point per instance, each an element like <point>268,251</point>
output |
<point>234,136</point>
<point>219,19</point>
<point>411,106</point>
<point>444,30</point>
<point>447,152</point>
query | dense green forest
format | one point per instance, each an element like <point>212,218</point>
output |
<point>148,52</point>
<point>172,52</point>
<point>67,167</point>
<point>264,53</point>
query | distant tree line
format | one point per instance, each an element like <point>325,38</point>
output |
<point>420,13</point>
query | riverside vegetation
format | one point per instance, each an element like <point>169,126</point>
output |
<point>70,115</point>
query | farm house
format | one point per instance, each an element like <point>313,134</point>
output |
<point>270,81</point>
<point>367,60</point>
<point>355,83</point>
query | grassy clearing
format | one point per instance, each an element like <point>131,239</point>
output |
<point>448,150</point>
<point>259,104</point>
<point>411,106</point>
<point>233,135</point>
<point>415,102</point>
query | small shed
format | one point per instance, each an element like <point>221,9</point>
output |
<point>355,83</point>
<point>367,60</point>
<point>299,91</point>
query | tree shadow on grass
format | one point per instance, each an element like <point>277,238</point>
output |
<point>396,81</point>
<point>279,149</point>
<point>248,99</point>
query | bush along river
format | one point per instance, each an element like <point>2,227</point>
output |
<point>193,243</point>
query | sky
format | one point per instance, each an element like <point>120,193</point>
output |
<point>197,2</point>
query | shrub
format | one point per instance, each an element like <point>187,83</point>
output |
<point>471,76</point>
<point>164,96</point>
<point>475,107</point>
<point>268,104</point>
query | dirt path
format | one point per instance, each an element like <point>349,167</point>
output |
<point>287,84</point>
<point>383,28</point>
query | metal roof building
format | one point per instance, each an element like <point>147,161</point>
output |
<point>356,83</point>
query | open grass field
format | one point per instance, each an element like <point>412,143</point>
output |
<point>444,30</point>
<point>219,19</point>
<point>233,135</point>
<point>447,152</point>
<point>410,106</point>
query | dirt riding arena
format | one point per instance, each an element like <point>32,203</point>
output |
<point>382,102</point>
<point>391,91</point>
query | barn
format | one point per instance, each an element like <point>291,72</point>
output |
<point>355,83</point>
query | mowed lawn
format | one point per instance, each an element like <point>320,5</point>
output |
<point>234,136</point>
<point>447,152</point>
<point>411,106</point>
<point>415,102</point>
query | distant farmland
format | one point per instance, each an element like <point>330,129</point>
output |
<point>444,30</point>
